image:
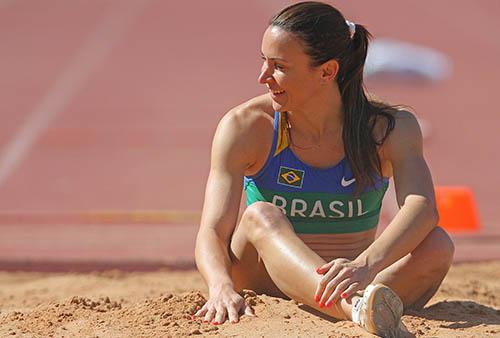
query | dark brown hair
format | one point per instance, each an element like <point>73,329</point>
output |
<point>325,34</point>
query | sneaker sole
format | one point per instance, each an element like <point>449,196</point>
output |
<point>385,309</point>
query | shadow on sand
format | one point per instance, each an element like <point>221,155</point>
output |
<point>455,314</point>
<point>459,314</point>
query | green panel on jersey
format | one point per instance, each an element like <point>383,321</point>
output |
<point>323,212</point>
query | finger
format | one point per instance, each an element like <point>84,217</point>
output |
<point>324,281</point>
<point>338,261</point>
<point>332,285</point>
<point>209,315</point>
<point>334,271</point>
<point>220,316</point>
<point>325,267</point>
<point>335,296</point>
<point>351,290</point>
<point>328,275</point>
<point>232,313</point>
<point>202,311</point>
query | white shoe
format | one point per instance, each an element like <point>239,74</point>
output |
<point>379,311</point>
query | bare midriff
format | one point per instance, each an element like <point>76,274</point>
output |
<point>331,246</point>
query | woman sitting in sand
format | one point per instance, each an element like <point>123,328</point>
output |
<point>314,156</point>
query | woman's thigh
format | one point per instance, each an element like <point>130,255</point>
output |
<point>417,276</point>
<point>248,270</point>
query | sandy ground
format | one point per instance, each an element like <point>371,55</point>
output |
<point>160,304</point>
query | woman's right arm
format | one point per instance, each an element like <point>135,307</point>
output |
<point>230,158</point>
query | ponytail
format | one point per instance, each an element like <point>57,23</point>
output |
<point>358,122</point>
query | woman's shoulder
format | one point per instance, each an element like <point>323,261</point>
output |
<point>392,128</point>
<point>403,132</point>
<point>249,126</point>
<point>391,118</point>
<point>406,129</point>
<point>252,116</point>
<point>256,108</point>
<point>403,120</point>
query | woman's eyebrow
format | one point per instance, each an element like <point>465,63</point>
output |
<point>275,58</point>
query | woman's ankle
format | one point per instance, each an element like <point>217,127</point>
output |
<point>347,305</point>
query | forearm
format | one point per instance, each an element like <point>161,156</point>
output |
<point>404,233</point>
<point>212,259</point>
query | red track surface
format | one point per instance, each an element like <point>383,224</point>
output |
<point>130,96</point>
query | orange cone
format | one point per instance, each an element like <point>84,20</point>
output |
<point>457,209</point>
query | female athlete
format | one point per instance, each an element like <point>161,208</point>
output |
<point>314,156</point>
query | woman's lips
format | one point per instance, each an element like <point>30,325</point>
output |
<point>276,93</point>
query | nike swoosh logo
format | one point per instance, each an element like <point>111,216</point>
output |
<point>347,183</point>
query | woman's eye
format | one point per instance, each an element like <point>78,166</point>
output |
<point>276,66</point>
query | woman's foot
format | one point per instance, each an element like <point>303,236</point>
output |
<point>379,311</point>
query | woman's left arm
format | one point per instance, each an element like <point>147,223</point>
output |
<point>414,192</point>
<point>415,219</point>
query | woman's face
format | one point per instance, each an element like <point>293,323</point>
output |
<point>286,71</point>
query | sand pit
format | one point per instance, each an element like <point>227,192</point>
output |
<point>160,304</point>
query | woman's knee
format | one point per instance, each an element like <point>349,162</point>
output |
<point>262,218</point>
<point>438,247</point>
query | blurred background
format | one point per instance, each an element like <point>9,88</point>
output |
<point>109,107</point>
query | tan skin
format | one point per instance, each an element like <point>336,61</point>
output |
<point>325,271</point>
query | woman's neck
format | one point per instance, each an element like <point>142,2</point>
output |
<point>320,118</point>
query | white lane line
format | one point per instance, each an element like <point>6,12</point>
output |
<point>86,61</point>
<point>103,216</point>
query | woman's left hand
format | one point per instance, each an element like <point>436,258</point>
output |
<point>341,278</point>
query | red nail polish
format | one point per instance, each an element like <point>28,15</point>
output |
<point>321,304</point>
<point>328,303</point>
<point>215,323</point>
<point>344,295</point>
<point>193,317</point>
<point>317,298</point>
<point>317,270</point>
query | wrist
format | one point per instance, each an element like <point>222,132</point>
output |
<point>218,286</point>
<point>373,264</point>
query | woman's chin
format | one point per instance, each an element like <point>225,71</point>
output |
<point>278,106</point>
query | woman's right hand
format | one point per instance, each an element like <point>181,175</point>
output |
<point>224,302</point>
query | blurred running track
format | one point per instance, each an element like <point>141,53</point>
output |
<point>108,109</point>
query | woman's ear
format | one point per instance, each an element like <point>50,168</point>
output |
<point>329,71</point>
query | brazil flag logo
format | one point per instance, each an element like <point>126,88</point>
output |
<point>291,177</point>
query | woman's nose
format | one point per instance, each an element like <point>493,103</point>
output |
<point>264,74</point>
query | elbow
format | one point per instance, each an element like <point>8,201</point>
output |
<point>431,213</point>
<point>427,208</point>
<point>434,216</point>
